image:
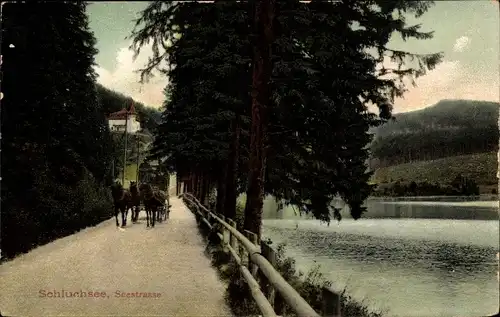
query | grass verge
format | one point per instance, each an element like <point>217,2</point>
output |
<point>309,286</point>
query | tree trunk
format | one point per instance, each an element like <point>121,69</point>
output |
<point>204,190</point>
<point>262,68</point>
<point>232,169</point>
<point>199,185</point>
<point>221,192</point>
<point>178,185</point>
<point>201,190</point>
<point>193,183</point>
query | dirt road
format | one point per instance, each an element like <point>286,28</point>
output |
<point>105,271</point>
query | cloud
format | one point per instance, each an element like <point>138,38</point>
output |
<point>429,89</point>
<point>125,79</point>
<point>436,85</point>
<point>449,80</point>
<point>461,43</point>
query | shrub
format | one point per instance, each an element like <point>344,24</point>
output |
<point>52,210</point>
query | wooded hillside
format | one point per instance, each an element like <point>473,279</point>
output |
<point>479,167</point>
<point>112,101</point>
<point>449,128</point>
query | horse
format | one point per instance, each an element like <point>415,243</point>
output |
<point>152,201</point>
<point>122,202</point>
<point>136,201</point>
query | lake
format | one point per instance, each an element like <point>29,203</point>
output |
<point>408,257</point>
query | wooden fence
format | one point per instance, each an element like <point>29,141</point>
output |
<point>257,261</point>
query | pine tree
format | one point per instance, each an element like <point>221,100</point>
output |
<point>54,136</point>
<point>263,19</point>
<point>212,123</point>
<point>324,72</point>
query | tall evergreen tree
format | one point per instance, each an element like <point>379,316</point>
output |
<point>213,123</point>
<point>324,72</point>
<point>54,136</point>
<point>263,20</point>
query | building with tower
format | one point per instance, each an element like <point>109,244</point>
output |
<point>118,120</point>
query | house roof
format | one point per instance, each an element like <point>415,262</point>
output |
<point>122,114</point>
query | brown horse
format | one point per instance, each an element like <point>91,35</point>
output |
<point>152,202</point>
<point>136,201</point>
<point>122,200</point>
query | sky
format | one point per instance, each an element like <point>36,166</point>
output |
<point>467,32</point>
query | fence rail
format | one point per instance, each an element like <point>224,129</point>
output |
<point>257,261</point>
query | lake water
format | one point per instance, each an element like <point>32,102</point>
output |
<point>407,258</point>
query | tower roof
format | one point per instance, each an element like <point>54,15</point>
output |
<point>132,108</point>
<point>122,114</point>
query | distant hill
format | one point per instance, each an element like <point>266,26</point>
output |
<point>446,114</point>
<point>449,128</point>
<point>481,167</point>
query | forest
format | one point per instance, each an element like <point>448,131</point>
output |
<point>449,128</point>
<point>274,94</point>
<point>460,186</point>
<point>56,145</point>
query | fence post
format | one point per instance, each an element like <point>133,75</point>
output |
<point>196,212</point>
<point>196,215</point>
<point>226,236</point>
<point>331,303</point>
<point>232,239</point>
<point>220,216</point>
<point>242,252</point>
<point>254,239</point>
<point>209,217</point>
<point>205,214</point>
<point>274,297</point>
<point>267,288</point>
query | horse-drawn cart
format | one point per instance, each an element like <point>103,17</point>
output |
<point>146,197</point>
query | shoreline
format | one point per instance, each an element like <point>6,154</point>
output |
<point>490,196</point>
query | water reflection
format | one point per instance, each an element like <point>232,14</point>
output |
<point>409,277</point>
<point>424,259</point>
<point>429,211</point>
<point>426,254</point>
<point>474,208</point>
